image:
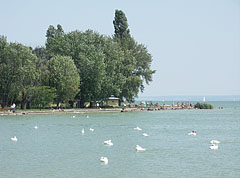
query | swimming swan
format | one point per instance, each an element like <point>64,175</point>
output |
<point>83,131</point>
<point>214,147</point>
<point>104,159</point>
<point>91,129</point>
<point>137,128</point>
<point>108,142</point>
<point>145,134</point>
<point>214,142</point>
<point>14,139</point>
<point>193,133</point>
<point>138,148</point>
<point>36,127</point>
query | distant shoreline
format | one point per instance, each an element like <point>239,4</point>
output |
<point>192,98</point>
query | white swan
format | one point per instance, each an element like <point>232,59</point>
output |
<point>87,116</point>
<point>83,131</point>
<point>214,142</point>
<point>104,159</point>
<point>193,133</point>
<point>91,129</point>
<point>145,134</point>
<point>214,147</point>
<point>137,128</point>
<point>138,148</point>
<point>73,116</point>
<point>36,127</point>
<point>108,142</point>
<point>14,139</point>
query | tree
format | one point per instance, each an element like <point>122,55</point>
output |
<point>42,62</point>
<point>6,71</point>
<point>55,39</point>
<point>143,64</point>
<point>113,80</point>
<point>42,96</point>
<point>29,73</point>
<point>136,62</point>
<point>85,50</point>
<point>89,59</point>
<point>17,73</point>
<point>63,75</point>
<point>203,106</point>
<point>121,31</point>
<point>41,53</point>
<point>118,65</point>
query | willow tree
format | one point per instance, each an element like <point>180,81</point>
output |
<point>18,73</point>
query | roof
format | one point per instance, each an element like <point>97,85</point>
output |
<point>113,98</point>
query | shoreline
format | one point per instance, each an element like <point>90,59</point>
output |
<point>69,111</point>
<point>83,111</point>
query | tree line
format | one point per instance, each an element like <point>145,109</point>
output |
<point>83,66</point>
<point>203,106</point>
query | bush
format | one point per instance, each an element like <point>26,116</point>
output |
<point>203,106</point>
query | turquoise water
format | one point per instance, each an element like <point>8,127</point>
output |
<point>58,148</point>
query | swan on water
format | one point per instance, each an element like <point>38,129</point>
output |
<point>145,134</point>
<point>14,139</point>
<point>83,131</point>
<point>214,142</point>
<point>91,129</point>
<point>137,128</point>
<point>193,133</point>
<point>214,147</point>
<point>87,116</point>
<point>108,142</point>
<point>36,127</point>
<point>138,148</point>
<point>104,159</point>
<point>73,116</point>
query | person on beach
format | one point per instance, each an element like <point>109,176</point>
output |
<point>13,108</point>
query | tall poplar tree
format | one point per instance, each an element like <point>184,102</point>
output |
<point>137,61</point>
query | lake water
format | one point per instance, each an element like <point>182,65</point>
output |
<point>58,148</point>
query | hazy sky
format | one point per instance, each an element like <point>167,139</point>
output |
<point>195,44</point>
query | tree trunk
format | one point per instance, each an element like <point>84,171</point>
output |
<point>24,101</point>
<point>71,104</point>
<point>4,102</point>
<point>23,105</point>
<point>28,106</point>
<point>4,105</point>
<point>81,104</point>
<point>91,104</point>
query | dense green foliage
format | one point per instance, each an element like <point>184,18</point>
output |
<point>137,60</point>
<point>203,106</point>
<point>18,73</point>
<point>42,96</point>
<point>82,66</point>
<point>63,76</point>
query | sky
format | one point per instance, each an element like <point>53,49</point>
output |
<point>195,44</point>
